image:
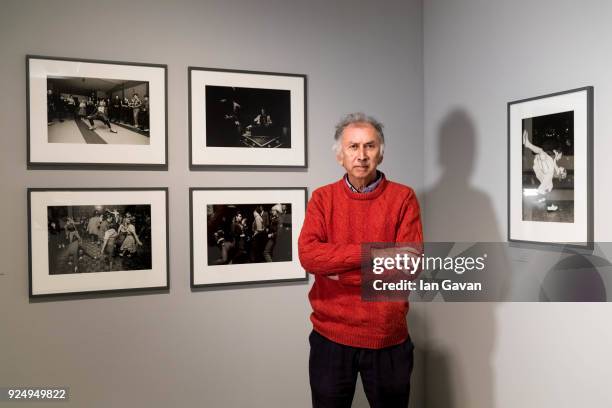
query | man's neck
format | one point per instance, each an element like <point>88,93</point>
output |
<point>361,183</point>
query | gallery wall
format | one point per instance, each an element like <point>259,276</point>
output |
<point>479,55</point>
<point>230,347</point>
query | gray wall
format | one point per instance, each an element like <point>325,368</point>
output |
<point>233,347</point>
<point>478,55</point>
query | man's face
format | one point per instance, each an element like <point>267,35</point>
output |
<point>360,152</point>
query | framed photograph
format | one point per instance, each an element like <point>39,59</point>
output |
<point>245,235</point>
<point>97,240</point>
<point>246,118</point>
<point>550,169</point>
<point>89,113</point>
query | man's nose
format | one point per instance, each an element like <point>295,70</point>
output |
<point>361,154</point>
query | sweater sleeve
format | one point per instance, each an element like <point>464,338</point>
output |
<point>318,256</point>
<point>410,229</point>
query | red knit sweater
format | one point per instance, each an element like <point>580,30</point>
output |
<point>337,222</point>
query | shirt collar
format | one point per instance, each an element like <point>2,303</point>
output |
<point>367,189</point>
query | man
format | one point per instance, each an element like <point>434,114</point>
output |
<point>351,336</point>
<point>144,114</point>
<point>226,249</point>
<point>71,107</point>
<point>259,234</point>
<point>50,107</point>
<point>60,107</point>
<point>240,238</point>
<point>545,168</point>
<point>126,111</point>
<point>135,103</point>
<point>263,119</point>
<point>100,114</point>
<point>275,213</point>
<point>116,112</point>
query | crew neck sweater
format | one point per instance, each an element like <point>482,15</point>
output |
<point>337,222</point>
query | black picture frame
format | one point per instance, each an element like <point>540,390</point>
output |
<point>36,251</point>
<point>300,276</point>
<point>579,102</point>
<point>159,135</point>
<point>248,80</point>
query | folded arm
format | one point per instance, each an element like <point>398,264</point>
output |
<point>318,256</point>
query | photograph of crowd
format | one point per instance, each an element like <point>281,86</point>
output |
<point>248,117</point>
<point>97,111</point>
<point>548,168</point>
<point>249,233</point>
<point>98,238</point>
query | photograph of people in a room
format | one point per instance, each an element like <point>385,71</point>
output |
<point>97,111</point>
<point>548,168</point>
<point>248,117</point>
<point>249,233</point>
<point>99,238</point>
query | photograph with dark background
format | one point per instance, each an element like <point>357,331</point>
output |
<point>249,233</point>
<point>548,168</point>
<point>248,117</point>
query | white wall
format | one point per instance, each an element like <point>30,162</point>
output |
<point>232,347</point>
<point>479,55</point>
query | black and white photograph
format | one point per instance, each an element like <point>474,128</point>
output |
<point>246,118</point>
<point>550,168</point>
<point>245,235</point>
<point>97,240</point>
<point>96,113</point>
<point>249,233</point>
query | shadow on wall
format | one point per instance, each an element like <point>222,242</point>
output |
<point>575,278</point>
<point>460,337</point>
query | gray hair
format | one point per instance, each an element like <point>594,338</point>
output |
<point>358,118</point>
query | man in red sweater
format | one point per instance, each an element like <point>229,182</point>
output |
<point>351,336</point>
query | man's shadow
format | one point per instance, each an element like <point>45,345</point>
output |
<point>454,341</point>
<point>458,340</point>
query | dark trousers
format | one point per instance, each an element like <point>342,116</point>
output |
<point>99,116</point>
<point>116,113</point>
<point>385,373</point>
<point>143,119</point>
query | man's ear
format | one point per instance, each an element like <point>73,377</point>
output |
<point>339,158</point>
<point>380,159</point>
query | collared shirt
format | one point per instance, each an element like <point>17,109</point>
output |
<point>367,189</point>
